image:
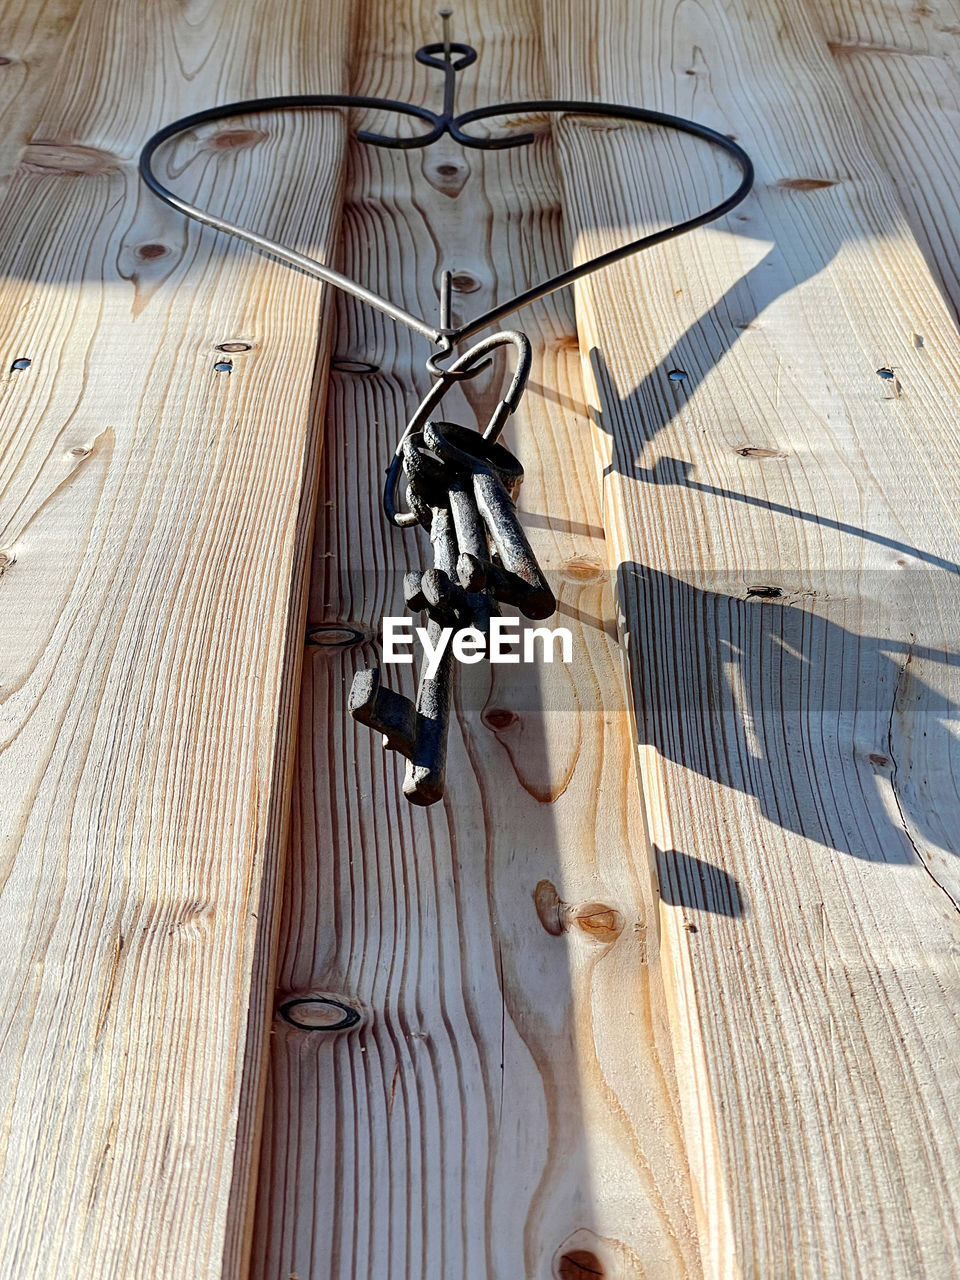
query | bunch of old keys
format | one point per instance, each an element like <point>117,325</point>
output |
<point>461,487</point>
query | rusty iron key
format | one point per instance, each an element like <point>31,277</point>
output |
<point>417,730</point>
<point>462,488</point>
<point>489,514</point>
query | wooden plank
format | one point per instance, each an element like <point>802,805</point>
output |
<point>506,1105</point>
<point>784,526</point>
<point>31,39</point>
<point>156,514</point>
<point>901,63</point>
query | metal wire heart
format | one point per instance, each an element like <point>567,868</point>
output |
<point>445,122</point>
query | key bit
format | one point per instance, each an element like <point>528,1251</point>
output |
<point>418,732</point>
<point>432,592</point>
<point>382,709</point>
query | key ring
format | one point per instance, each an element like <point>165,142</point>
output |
<point>467,365</point>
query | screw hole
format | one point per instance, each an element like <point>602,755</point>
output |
<point>21,363</point>
<point>224,366</point>
<point>886,374</point>
<point>677,375</point>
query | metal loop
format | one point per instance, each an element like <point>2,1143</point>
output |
<point>452,372</point>
<point>426,55</point>
<point>467,365</point>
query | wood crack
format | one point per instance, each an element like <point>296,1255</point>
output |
<point>901,678</point>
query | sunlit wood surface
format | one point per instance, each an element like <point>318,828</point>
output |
<point>506,1104</point>
<point>154,517</point>
<point>782,517</point>
<point>668,985</point>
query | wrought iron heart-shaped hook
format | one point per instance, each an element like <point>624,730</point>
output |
<point>445,122</point>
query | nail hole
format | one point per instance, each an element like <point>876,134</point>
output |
<point>233,346</point>
<point>224,366</point>
<point>347,364</point>
<point>448,170</point>
<point>318,1013</point>
<point>334,635</point>
<point>677,375</point>
<point>886,374</point>
<point>20,363</point>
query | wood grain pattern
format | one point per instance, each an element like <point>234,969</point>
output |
<point>784,523</point>
<point>901,62</point>
<point>31,39</point>
<point>155,517</point>
<point>505,1105</point>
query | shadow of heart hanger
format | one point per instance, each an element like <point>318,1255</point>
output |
<point>451,58</point>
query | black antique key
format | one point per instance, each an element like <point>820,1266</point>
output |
<point>417,730</point>
<point>461,487</point>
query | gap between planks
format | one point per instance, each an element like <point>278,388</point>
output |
<point>505,1104</point>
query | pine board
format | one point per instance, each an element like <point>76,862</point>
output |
<point>784,527</point>
<point>901,63</point>
<point>32,37</point>
<point>155,517</point>
<point>505,1106</point>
